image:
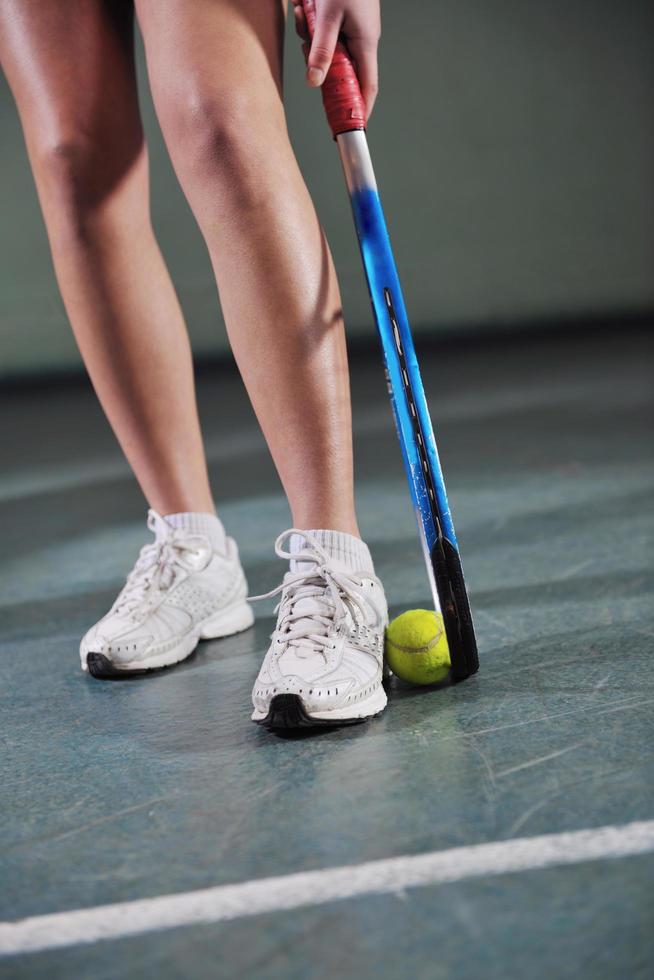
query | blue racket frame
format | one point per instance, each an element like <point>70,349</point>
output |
<point>412,418</point>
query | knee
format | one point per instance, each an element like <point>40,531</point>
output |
<point>79,175</point>
<point>68,166</point>
<point>225,145</point>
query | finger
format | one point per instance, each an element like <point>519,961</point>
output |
<point>301,26</point>
<point>324,41</point>
<point>364,53</point>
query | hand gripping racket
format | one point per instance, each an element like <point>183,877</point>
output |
<point>346,115</point>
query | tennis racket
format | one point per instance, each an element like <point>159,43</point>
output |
<point>346,115</point>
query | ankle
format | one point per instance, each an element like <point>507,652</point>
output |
<point>334,522</point>
<point>345,548</point>
<point>200,522</point>
<point>181,504</point>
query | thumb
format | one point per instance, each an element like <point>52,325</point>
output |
<point>324,41</point>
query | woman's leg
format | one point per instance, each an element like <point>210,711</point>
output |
<point>215,69</point>
<point>70,66</point>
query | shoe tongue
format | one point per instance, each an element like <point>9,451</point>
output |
<point>345,553</point>
<point>208,526</point>
<point>308,607</point>
<point>158,525</point>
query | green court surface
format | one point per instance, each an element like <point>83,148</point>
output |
<point>118,791</point>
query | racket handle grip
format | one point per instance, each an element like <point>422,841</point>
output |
<point>341,93</point>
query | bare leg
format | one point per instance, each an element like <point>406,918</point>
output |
<point>215,69</point>
<point>70,66</point>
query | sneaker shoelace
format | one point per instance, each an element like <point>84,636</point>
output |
<point>308,627</point>
<point>155,568</point>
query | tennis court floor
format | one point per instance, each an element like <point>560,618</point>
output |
<point>114,792</point>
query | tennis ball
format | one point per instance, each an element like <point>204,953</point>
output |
<point>416,647</point>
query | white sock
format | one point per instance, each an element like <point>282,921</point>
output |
<point>195,523</point>
<point>344,548</point>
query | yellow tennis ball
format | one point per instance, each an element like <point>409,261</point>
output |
<point>416,647</point>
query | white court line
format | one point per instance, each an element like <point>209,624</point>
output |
<point>309,888</point>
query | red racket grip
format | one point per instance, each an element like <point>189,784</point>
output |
<point>341,94</point>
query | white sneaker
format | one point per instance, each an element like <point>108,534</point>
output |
<point>187,586</point>
<point>324,665</point>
